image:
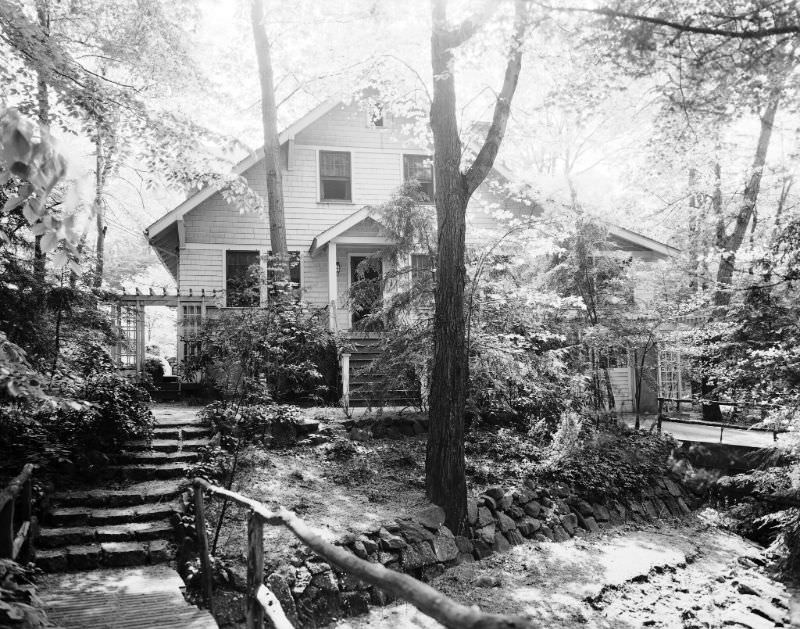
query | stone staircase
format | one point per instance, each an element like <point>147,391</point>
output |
<point>370,389</point>
<point>129,522</point>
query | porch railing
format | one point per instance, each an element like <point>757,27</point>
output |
<point>763,408</point>
<point>16,515</point>
<point>261,600</point>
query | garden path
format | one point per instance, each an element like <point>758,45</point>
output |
<point>108,546</point>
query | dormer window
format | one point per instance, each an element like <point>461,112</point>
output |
<point>419,168</point>
<point>375,116</point>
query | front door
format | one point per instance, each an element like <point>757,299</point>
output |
<point>366,273</point>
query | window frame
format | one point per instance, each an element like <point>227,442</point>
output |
<point>406,156</point>
<point>321,179</point>
<point>225,253</point>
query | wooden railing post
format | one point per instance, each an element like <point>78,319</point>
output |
<point>202,538</point>
<point>7,530</point>
<point>255,570</point>
<point>660,413</point>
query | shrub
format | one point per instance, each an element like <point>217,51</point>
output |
<point>269,425</point>
<point>19,605</point>
<point>608,464</point>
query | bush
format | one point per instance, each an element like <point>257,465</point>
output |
<point>268,425</point>
<point>154,368</point>
<point>20,607</point>
<point>608,464</point>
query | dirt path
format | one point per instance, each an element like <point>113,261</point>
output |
<point>692,576</point>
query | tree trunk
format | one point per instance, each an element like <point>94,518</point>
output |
<point>269,118</point>
<point>730,244</point>
<point>43,100</point>
<point>99,211</point>
<point>445,479</point>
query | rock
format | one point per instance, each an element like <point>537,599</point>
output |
<point>495,493</point>
<point>562,507</point>
<point>515,537</point>
<point>529,526</point>
<point>570,523</point>
<point>487,533</point>
<point>485,517</point>
<point>351,583</point>
<point>388,541</point>
<point>620,508</point>
<point>417,555</point>
<point>83,557</point>
<point>516,512</point>
<point>672,487</point>
<point>385,558</point>
<point>506,501</point>
<point>661,508</point>
<point>370,545</point>
<point>601,513</point>
<point>357,434</point>
<point>505,523</point>
<point>379,597</point>
<point>501,544</point>
<point>488,502</point>
<point>524,496</point>
<point>584,508</point>
<point>354,603</point>
<point>650,509</point>
<point>683,506</point>
<point>559,534</point>
<point>431,517</point>
<point>465,558</point>
<point>431,572</point>
<point>547,532</point>
<point>589,524</point>
<point>482,549</point>
<point>533,509</point>
<point>540,537</point>
<point>561,490</point>
<point>487,581</point>
<point>302,580</point>
<point>159,551</point>
<point>445,547</point>
<point>745,588</point>
<point>359,550</point>
<point>280,588</point>
<point>472,511</point>
<point>463,544</point>
<point>414,532</point>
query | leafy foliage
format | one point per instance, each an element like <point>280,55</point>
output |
<point>283,352</point>
<point>267,425</point>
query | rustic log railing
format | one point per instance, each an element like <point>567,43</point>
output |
<point>16,515</point>
<point>763,407</point>
<point>261,600</point>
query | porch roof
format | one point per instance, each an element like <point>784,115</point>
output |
<point>338,231</point>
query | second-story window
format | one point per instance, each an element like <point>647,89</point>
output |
<point>334,176</point>
<point>419,168</point>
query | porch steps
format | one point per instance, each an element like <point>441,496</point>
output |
<point>369,388</point>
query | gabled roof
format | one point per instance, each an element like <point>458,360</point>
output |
<point>196,199</point>
<point>339,228</point>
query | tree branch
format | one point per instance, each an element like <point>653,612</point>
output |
<point>685,26</point>
<point>485,159</point>
<point>456,36</point>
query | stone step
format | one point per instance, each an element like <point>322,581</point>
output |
<point>137,494</point>
<point>107,554</point>
<point>176,432</point>
<point>83,535</point>
<point>167,445</point>
<point>85,516</point>
<point>159,457</point>
<point>151,471</point>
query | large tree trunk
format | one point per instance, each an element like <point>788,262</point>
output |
<point>269,118</point>
<point>730,244</point>
<point>445,480</point>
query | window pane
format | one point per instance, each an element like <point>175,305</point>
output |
<point>241,279</point>
<point>334,164</point>
<point>419,168</point>
<point>335,189</point>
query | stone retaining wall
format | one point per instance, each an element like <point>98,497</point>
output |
<point>313,593</point>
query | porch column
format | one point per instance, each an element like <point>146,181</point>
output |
<point>332,285</point>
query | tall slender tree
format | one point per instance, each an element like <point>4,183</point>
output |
<point>272,164</point>
<point>445,479</point>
